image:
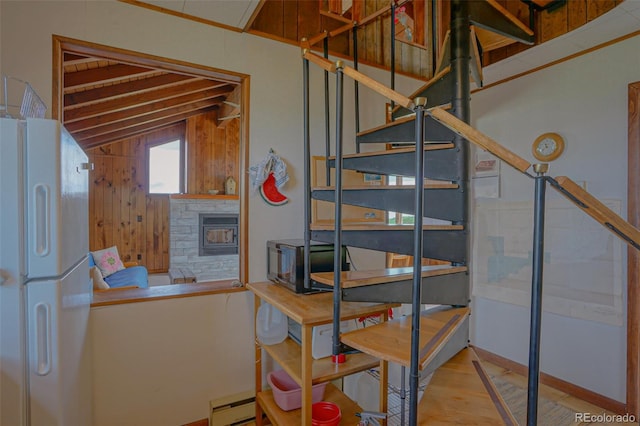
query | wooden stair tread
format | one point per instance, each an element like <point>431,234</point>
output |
<point>387,125</point>
<point>350,279</point>
<point>460,389</point>
<point>427,147</point>
<point>391,340</point>
<point>382,227</point>
<point>444,185</point>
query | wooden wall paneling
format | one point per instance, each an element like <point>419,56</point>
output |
<point>138,210</point>
<point>357,9</point>
<point>552,24</point>
<point>206,151</point>
<point>334,6</point>
<point>151,234</point>
<point>232,154</point>
<point>576,14</point>
<point>443,11</point>
<point>385,36</point>
<point>370,41</point>
<point>157,233</point>
<point>120,207</point>
<point>269,19</point>
<point>164,265</point>
<point>218,160</point>
<point>381,40</point>
<point>99,189</point>
<point>596,8</point>
<point>521,11</point>
<point>191,154</point>
<point>290,20</point>
<point>422,19</point>
<point>308,19</point>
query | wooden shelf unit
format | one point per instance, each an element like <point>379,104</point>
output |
<point>297,361</point>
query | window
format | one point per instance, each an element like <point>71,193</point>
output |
<point>401,218</point>
<point>166,174</point>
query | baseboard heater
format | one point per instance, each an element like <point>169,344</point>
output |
<point>238,409</point>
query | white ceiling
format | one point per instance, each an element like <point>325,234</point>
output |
<point>234,13</point>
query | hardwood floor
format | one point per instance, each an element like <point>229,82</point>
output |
<point>570,402</point>
<point>567,401</point>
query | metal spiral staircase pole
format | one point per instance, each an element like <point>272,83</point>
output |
<point>337,242</point>
<point>414,371</point>
<point>307,173</point>
<point>536,294</point>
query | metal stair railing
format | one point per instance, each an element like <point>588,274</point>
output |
<point>581,198</point>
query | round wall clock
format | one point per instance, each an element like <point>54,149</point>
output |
<point>548,146</point>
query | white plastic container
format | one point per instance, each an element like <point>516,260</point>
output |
<point>271,325</point>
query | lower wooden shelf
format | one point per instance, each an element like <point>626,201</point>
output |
<point>288,355</point>
<point>293,418</point>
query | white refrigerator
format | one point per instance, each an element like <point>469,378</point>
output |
<point>45,288</point>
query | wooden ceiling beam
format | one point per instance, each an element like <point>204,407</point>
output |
<point>79,99</point>
<point>70,57</point>
<point>145,118</point>
<point>123,114</point>
<point>130,101</point>
<point>133,131</point>
<point>94,76</point>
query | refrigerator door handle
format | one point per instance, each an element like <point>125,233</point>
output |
<point>42,313</point>
<point>42,217</point>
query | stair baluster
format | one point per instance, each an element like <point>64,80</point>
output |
<point>414,372</point>
<point>337,236</point>
<point>536,293</point>
<point>307,174</point>
<point>327,124</point>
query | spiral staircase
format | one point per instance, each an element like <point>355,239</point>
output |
<point>430,126</point>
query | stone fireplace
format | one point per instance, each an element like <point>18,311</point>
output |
<point>203,236</point>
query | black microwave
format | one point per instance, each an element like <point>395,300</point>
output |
<point>285,262</point>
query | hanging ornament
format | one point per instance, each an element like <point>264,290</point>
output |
<point>268,176</point>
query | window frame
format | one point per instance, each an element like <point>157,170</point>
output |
<point>161,140</point>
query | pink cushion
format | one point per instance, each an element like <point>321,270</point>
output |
<point>108,261</point>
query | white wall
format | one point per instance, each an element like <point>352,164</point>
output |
<point>585,100</point>
<point>159,363</point>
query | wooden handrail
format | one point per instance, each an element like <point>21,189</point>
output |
<point>323,63</point>
<point>313,40</point>
<point>597,210</point>
<point>340,30</point>
<point>335,16</point>
<point>374,15</point>
<point>480,139</point>
<point>379,87</point>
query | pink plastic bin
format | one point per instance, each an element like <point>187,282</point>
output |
<point>288,394</point>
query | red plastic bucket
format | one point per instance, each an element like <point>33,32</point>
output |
<point>325,413</point>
